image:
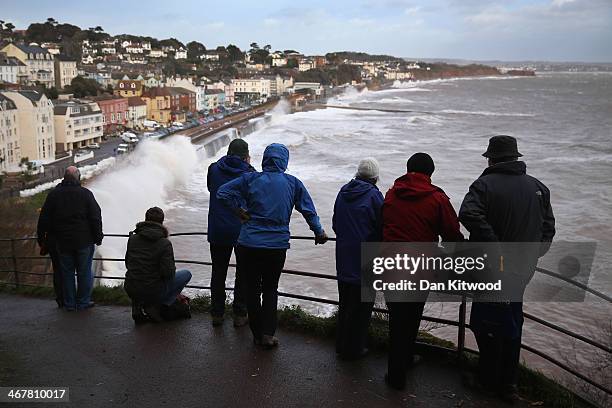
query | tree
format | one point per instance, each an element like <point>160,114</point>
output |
<point>51,21</point>
<point>254,46</point>
<point>234,53</point>
<point>82,87</point>
<point>194,50</point>
<point>51,93</point>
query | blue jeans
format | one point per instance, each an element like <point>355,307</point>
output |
<point>174,288</point>
<point>78,260</point>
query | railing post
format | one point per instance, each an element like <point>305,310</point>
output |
<point>14,258</point>
<point>461,330</point>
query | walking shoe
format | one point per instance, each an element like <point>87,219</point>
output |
<point>269,341</point>
<point>153,313</point>
<point>240,321</point>
<point>87,306</point>
<point>217,321</point>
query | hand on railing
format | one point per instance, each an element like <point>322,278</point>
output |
<point>321,239</point>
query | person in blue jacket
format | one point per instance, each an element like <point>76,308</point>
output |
<point>264,202</point>
<point>223,230</point>
<point>357,218</point>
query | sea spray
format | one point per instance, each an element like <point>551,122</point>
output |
<point>147,179</point>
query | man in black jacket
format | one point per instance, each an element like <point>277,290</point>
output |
<point>71,220</point>
<point>505,205</point>
<point>151,280</point>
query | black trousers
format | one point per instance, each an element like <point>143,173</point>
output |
<point>58,279</point>
<point>220,256</point>
<point>404,321</point>
<point>262,268</point>
<point>500,353</point>
<point>353,320</point>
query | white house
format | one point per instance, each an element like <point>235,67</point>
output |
<point>181,53</point>
<point>38,61</point>
<point>11,69</point>
<point>36,128</point>
<point>10,152</point>
<point>78,123</point>
<point>157,54</point>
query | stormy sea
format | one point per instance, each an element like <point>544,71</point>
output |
<point>563,123</point>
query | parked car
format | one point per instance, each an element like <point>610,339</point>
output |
<point>122,148</point>
<point>93,146</point>
<point>178,125</point>
<point>150,124</point>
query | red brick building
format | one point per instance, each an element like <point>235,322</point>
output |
<point>115,112</point>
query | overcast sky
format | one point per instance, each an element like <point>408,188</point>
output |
<point>556,30</point>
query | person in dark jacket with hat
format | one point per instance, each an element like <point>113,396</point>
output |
<point>357,218</point>
<point>414,211</point>
<point>264,201</point>
<point>223,231</point>
<point>71,221</point>
<point>151,280</point>
<point>504,205</point>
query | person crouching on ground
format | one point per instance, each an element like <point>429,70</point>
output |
<point>223,230</point>
<point>414,211</point>
<point>357,218</point>
<point>151,280</point>
<point>268,198</point>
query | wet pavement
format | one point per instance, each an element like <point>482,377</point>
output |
<point>108,362</point>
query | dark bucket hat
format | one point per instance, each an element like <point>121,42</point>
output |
<point>502,146</point>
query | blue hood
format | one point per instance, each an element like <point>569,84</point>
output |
<point>233,165</point>
<point>356,189</point>
<point>275,158</point>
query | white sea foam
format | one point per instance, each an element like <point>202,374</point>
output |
<point>146,179</point>
<point>485,113</point>
<point>87,172</point>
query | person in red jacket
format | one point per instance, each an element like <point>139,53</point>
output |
<point>414,211</point>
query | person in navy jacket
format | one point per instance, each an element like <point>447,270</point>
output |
<point>223,230</point>
<point>357,218</point>
<point>264,202</point>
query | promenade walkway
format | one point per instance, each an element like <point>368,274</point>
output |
<point>108,362</point>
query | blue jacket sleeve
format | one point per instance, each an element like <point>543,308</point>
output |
<point>305,206</point>
<point>233,193</point>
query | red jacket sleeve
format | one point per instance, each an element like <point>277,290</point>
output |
<point>449,223</point>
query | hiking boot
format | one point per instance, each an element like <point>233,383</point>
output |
<point>394,384</point>
<point>217,321</point>
<point>509,394</point>
<point>138,314</point>
<point>153,313</point>
<point>240,321</point>
<point>471,381</point>
<point>269,341</point>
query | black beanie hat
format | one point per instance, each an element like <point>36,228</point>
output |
<point>420,163</point>
<point>155,214</point>
<point>238,147</point>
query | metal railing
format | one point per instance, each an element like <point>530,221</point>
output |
<point>461,323</point>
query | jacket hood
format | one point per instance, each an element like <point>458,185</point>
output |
<point>512,167</point>
<point>413,185</point>
<point>275,158</point>
<point>151,231</point>
<point>355,189</point>
<point>233,165</point>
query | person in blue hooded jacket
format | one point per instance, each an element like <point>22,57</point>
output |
<point>264,202</point>
<point>223,230</point>
<point>357,218</point>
